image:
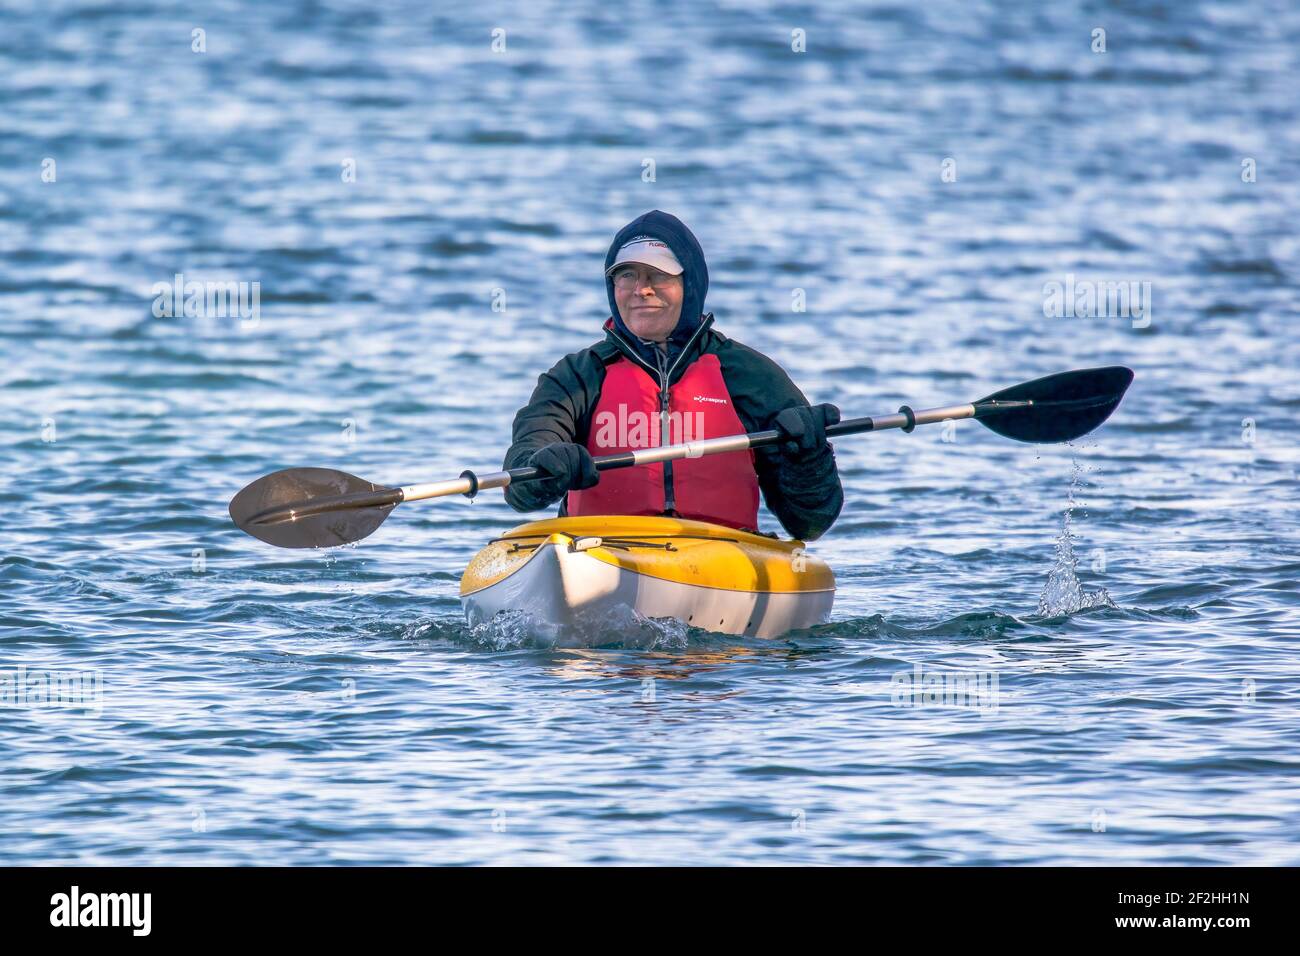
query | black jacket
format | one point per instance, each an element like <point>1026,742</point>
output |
<point>804,495</point>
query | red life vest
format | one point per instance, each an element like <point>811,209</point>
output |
<point>720,488</point>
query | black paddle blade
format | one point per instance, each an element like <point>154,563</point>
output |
<point>312,508</point>
<point>1061,407</point>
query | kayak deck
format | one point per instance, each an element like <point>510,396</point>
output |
<point>563,571</point>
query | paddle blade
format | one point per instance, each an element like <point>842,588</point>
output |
<point>259,509</point>
<point>1064,406</point>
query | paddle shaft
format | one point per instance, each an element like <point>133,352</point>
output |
<point>321,507</point>
<point>470,484</point>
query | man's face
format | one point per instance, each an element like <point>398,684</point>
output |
<point>649,301</point>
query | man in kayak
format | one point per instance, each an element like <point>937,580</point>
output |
<point>663,375</point>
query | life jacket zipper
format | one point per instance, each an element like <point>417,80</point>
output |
<point>670,499</point>
<point>632,353</point>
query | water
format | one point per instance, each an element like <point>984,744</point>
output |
<point>1064,593</point>
<point>263,706</point>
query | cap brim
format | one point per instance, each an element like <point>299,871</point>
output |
<point>668,268</point>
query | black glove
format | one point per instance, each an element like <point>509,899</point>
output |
<point>570,466</point>
<point>804,428</point>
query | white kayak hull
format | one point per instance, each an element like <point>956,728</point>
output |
<point>576,581</point>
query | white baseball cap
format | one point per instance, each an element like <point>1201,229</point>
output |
<point>648,251</point>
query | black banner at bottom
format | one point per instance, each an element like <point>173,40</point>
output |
<point>335,905</point>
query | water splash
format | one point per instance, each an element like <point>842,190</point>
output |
<point>621,627</point>
<point>1063,593</point>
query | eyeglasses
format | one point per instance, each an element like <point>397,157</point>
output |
<point>629,279</point>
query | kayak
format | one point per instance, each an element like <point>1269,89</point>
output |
<point>571,572</point>
<point>601,570</point>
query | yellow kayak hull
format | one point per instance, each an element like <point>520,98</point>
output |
<point>577,571</point>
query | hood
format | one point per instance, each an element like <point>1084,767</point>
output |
<point>695,276</point>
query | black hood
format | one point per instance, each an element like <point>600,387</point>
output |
<point>695,275</point>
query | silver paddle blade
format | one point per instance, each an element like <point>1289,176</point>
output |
<point>312,508</point>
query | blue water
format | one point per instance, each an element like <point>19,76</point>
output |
<point>275,707</point>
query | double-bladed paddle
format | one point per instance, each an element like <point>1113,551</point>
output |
<point>322,508</point>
